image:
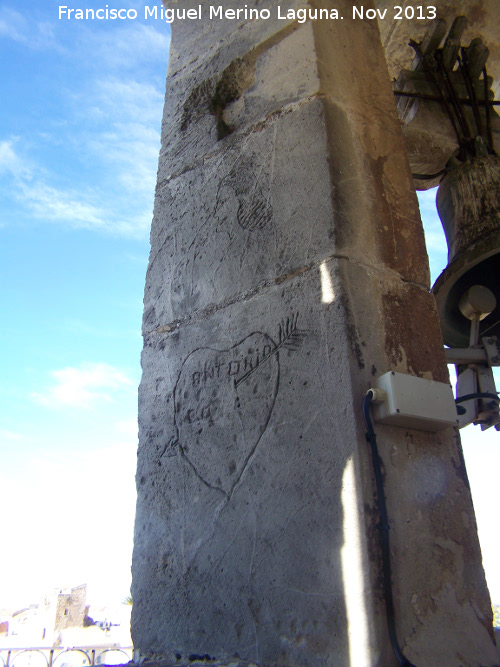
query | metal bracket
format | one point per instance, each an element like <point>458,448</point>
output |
<point>477,381</point>
<point>491,349</point>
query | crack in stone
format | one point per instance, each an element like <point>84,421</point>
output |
<point>204,481</point>
<point>242,134</point>
<point>265,285</point>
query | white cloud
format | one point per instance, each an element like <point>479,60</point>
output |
<point>116,128</point>
<point>10,436</point>
<point>13,24</point>
<point>57,205</point>
<point>116,101</point>
<point>128,427</point>
<point>130,144</point>
<point>42,199</point>
<point>82,387</point>
<point>31,33</point>
<point>130,45</point>
<point>11,162</point>
<point>76,512</point>
<point>132,166</point>
<point>125,46</point>
<point>108,132</point>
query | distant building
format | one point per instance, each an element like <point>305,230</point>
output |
<point>41,624</point>
<point>71,610</point>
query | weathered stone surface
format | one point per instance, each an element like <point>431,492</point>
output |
<point>245,480</point>
<point>210,95</point>
<point>220,238</point>
<point>288,270</point>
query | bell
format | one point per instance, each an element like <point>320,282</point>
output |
<point>468,203</point>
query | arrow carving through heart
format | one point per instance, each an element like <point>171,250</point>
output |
<point>223,401</point>
<point>289,337</point>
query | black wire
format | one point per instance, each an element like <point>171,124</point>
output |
<point>429,70</point>
<point>429,177</point>
<point>483,333</point>
<point>463,64</point>
<point>438,98</point>
<point>384,523</point>
<point>469,397</point>
<point>442,81</point>
<point>459,113</point>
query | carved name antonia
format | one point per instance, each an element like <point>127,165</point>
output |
<point>217,369</point>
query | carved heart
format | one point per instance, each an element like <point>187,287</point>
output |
<point>223,402</point>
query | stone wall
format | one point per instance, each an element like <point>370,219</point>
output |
<point>287,271</point>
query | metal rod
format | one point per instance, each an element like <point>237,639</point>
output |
<point>466,356</point>
<point>427,68</point>
<point>488,115</point>
<point>471,91</point>
<point>436,98</point>
<point>462,120</point>
<point>474,331</point>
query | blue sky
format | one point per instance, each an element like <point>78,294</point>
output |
<point>79,142</point>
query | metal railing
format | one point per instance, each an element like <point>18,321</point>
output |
<point>66,656</point>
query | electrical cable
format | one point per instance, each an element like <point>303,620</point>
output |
<point>384,524</point>
<point>459,113</point>
<point>479,394</point>
<point>483,333</point>
<point>463,64</point>
<point>436,98</point>
<point>429,70</point>
<point>429,177</point>
<point>469,397</point>
<point>441,78</point>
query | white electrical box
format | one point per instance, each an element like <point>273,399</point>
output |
<point>413,402</point>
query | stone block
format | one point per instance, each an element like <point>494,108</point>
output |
<point>232,90</point>
<point>216,227</point>
<point>240,521</point>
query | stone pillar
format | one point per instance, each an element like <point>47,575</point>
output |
<point>288,270</point>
